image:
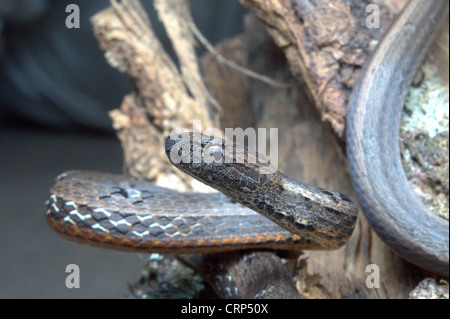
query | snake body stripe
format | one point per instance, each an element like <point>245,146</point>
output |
<point>122,213</point>
<point>395,213</point>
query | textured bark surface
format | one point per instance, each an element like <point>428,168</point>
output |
<point>316,47</point>
<point>326,44</point>
<point>160,101</point>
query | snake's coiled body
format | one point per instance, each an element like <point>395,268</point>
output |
<point>393,210</point>
<point>122,213</point>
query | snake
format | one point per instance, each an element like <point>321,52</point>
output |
<point>118,212</point>
<point>373,124</point>
<point>271,211</point>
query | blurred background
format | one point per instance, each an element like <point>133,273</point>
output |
<point>55,91</point>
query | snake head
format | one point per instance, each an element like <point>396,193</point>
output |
<point>217,162</point>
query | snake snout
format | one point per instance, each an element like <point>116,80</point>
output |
<point>178,149</point>
<point>170,142</point>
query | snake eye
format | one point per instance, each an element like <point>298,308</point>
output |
<point>214,154</point>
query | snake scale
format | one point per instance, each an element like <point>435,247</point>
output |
<point>122,213</point>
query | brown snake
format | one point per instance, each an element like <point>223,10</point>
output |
<point>373,149</point>
<point>122,213</point>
